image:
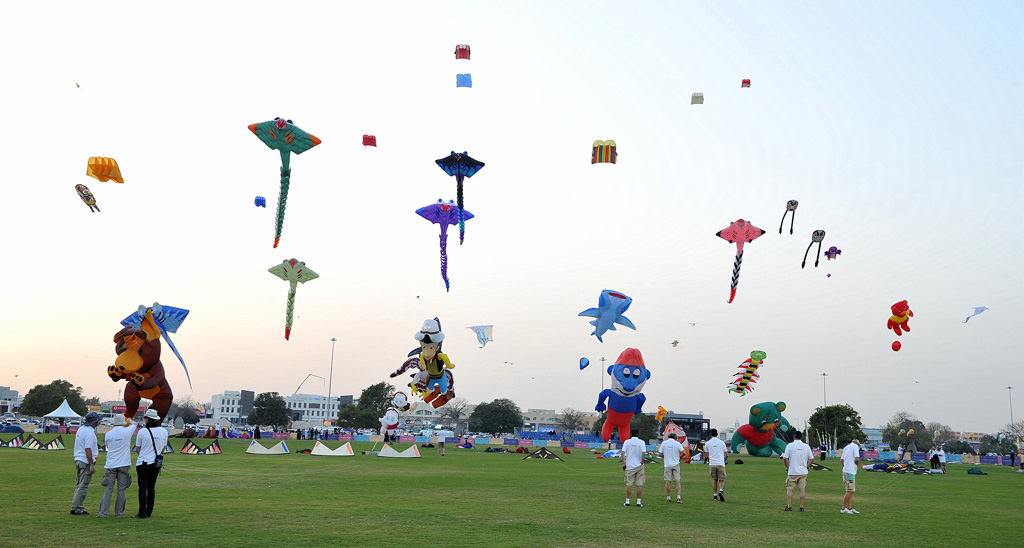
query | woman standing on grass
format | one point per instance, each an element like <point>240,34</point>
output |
<point>149,442</point>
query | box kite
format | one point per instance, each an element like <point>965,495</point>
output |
<point>604,152</point>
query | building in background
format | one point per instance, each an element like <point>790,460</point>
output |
<point>235,406</point>
<point>697,428</point>
<point>9,400</point>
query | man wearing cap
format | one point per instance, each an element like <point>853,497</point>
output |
<point>150,443</point>
<point>86,451</point>
<point>118,466</point>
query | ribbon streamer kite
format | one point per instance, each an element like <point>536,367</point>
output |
<point>738,232</point>
<point>443,214</point>
<point>460,166</point>
<point>790,206</point>
<point>294,272</point>
<point>286,138</point>
<point>816,237</point>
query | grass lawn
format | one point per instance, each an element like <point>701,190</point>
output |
<point>472,498</point>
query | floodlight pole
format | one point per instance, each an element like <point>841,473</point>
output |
<point>602,373</point>
<point>330,379</point>
<point>1010,395</point>
<point>824,404</point>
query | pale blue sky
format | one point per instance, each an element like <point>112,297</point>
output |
<point>899,128</point>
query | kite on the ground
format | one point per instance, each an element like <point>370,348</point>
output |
<point>604,152</point>
<point>87,197</point>
<point>460,166</point>
<point>899,321</point>
<point>282,136</point>
<point>611,306</point>
<point>738,232</point>
<point>749,374</point>
<point>816,237</point>
<point>790,206</point>
<point>977,310</point>
<point>483,333</point>
<point>104,169</point>
<point>294,272</point>
<point>444,214</point>
<point>833,253</point>
<point>462,51</point>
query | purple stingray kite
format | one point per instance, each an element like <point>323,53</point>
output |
<point>444,214</point>
<point>739,232</point>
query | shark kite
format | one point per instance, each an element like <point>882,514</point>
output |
<point>610,307</point>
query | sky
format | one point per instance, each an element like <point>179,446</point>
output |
<point>898,127</point>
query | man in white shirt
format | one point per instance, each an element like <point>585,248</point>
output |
<point>715,450</point>
<point>632,457</point>
<point>942,458</point>
<point>850,460</point>
<point>797,457</point>
<point>118,466</point>
<point>672,450</point>
<point>87,449</point>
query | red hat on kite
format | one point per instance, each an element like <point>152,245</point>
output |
<point>631,356</point>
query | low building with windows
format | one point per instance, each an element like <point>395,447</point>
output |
<point>235,406</point>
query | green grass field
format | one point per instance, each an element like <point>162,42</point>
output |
<point>472,498</point>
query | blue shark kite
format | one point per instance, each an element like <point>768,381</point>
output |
<point>167,319</point>
<point>610,308</point>
<point>977,310</point>
<point>483,333</point>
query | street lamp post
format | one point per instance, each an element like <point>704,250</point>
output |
<point>330,379</point>
<point>824,401</point>
<point>602,373</point>
<point>1008,394</point>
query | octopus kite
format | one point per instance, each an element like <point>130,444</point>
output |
<point>899,321</point>
<point>790,206</point>
<point>294,272</point>
<point>748,376</point>
<point>460,166</point>
<point>816,237</point>
<point>444,214</point>
<point>281,135</point>
<point>738,232</point>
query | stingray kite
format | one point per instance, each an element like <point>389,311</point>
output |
<point>444,214</point>
<point>87,197</point>
<point>483,333</point>
<point>977,309</point>
<point>790,206</point>
<point>294,272</point>
<point>816,237</point>
<point>610,307</point>
<point>104,169</point>
<point>739,232</point>
<point>833,253</point>
<point>460,166</point>
<point>749,374</point>
<point>167,320</point>
<point>281,135</point>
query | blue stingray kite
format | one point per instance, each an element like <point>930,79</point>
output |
<point>460,166</point>
<point>610,307</point>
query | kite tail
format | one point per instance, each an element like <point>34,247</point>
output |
<point>462,214</point>
<point>818,258</point>
<point>462,226</point>
<point>791,220</point>
<point>735,275</point>
<point>444,262</point>
<point>175,350</point>
<point>803,264</point>
<point>288,315</point>
<point>783,221</point>
<point>282,198</point>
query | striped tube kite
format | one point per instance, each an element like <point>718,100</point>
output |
<point>443,214</point>
<point>294,272</point>
<point>460,166</point>
<point>604,152</point>
<point>741,385</point>
<point>281,135</point>
<point>738,232</point>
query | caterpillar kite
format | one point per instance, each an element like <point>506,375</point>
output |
<point>749,374</point>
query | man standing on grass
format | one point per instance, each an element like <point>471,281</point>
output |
<point>850,461</point>
<point>797,457</point>
<point>87,449</point>
<point>672,450</point>
<point>118,467</point>
<point>715,451</point>
<point>632,456</point>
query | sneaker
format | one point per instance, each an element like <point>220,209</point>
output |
<point>714,497</point>
<point>139,516</point>
<point>624,504</point>
<point>852,511</point>
<point>668,500</point>
<point>844,511</point>
<point>79,513</point>
<point>721,496</point>
<point>639,505</point>
<point>801,508</point>
<point>788,509</point>
<point>679,500</point>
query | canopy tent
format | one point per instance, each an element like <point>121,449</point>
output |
<point>63,412</point>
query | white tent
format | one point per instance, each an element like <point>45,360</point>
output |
<point>63,412</point>
<point>343,451</point>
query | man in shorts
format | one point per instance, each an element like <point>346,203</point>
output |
<point>716,451</point>
<point>632,456</point>
<point>797,457</point>
<point>672,451</point>
<point>850,461</point>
